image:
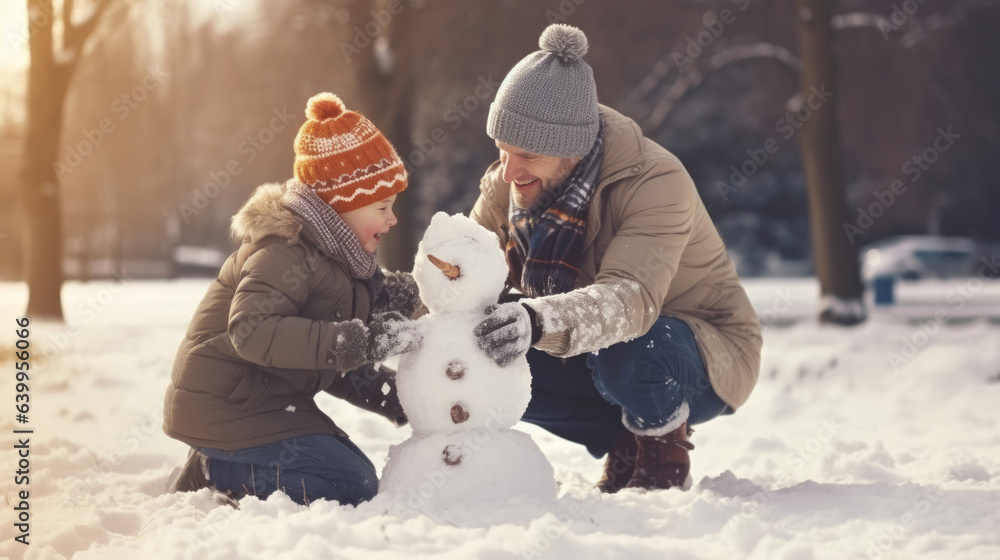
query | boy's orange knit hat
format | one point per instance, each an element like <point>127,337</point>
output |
<point>344,157</point>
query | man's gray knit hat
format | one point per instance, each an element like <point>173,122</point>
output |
<point>547,104</point>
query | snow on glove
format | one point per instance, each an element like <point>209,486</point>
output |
<point>507,332</point>
<point>375,390</point>
<point>389,406</point>
<point>390,334</point>
<point>399,293</point>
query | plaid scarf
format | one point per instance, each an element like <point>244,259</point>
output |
<point>546,240</point>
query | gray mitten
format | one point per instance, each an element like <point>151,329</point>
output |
<point>399,293</point>
<point>390,334</point>
<point>507,332</point>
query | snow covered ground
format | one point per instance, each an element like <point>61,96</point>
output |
<point>880,441</point>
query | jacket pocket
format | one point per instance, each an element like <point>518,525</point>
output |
<point>254,386</point>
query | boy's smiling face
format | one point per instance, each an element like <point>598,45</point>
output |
<point>371,222</point>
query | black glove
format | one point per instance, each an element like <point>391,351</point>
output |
<point>390,334</point>
<point>373,389</point>
<point>507,332</point>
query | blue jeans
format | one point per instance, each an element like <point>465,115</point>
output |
<point>306,468</point>
<point>642,385</point>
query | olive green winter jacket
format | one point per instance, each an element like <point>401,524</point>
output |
<point>279,324</point>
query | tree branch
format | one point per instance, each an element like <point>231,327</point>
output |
<point>913,30</point>
<point>680,87</point>
<point>76,35</point>
<point>67,20</point>
<point>856,20</point>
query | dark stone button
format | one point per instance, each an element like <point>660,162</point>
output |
<point>459,414</point>
<point>456,370</point>
<point>452,455</point>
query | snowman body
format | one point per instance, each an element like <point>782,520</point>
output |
<point>460,404</point>
<point>467,471</point>
<point>443,391</point>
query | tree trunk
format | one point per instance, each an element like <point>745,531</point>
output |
<point>836,260</point>
<point>40,185</point>
<point>178,23</point>
<point>48,81</point>
<point>387,99</point>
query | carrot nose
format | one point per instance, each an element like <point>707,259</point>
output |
<point>449,270</point>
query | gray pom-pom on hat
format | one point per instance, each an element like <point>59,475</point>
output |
<point>565,41</point>
<point>547,104</point>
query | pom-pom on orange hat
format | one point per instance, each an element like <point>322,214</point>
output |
<point>341,155</point>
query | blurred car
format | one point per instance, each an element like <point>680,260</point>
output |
<point>198,261</point>
<point>912,257</point>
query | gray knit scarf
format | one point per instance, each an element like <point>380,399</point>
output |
<point>336,237</point>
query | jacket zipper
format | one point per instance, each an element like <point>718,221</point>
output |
<point>354,298</point>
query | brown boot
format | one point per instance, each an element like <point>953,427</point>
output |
<point>619,465</point>
<point>193,476</point>
<point>662,461</point>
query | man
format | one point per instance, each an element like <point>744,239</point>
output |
<point>608,239</point>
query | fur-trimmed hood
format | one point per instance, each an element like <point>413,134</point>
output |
<point>265,214</point>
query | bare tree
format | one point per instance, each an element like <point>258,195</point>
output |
<point>836,261</point>
<point>49,77</point>
<point>384,75</point>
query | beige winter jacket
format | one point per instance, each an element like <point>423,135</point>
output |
<point>651,249</point>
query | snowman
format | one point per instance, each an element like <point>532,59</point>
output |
<point>460,404</point>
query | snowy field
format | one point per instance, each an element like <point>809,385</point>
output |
<point>880,441</point>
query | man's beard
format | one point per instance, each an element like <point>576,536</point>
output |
<point>550,188</point>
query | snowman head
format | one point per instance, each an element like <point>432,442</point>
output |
<point>459,265</point>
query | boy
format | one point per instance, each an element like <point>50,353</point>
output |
<point>300,307</point>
